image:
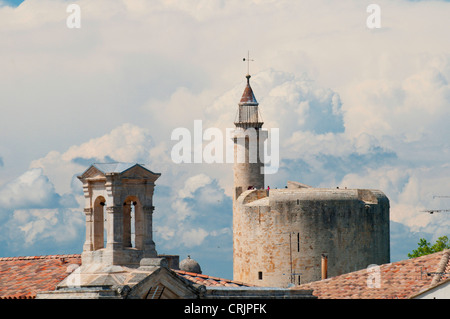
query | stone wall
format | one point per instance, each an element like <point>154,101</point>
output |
<point>279,239</point>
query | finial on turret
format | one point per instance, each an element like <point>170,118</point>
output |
<point>248,65</point>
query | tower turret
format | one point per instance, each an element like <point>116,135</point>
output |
<point>248,140</point>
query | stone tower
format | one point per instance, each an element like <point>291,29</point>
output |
<point>295,235</point>
<point>280,237</point>
<point>248,141</point>
<point>119,209</point>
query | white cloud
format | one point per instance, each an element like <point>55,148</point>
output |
<point>194,237</point>
<point>31,189</point>
<point>167,233</point>
<point>125,143</point>
<point>35,222</point>
<point>192,184</point>
<point>32,227</point>
<point>402,111</point>
<point>411,191</point>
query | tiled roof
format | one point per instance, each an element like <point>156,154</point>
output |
<point>210,280</point>
<point>23,277</point>
<point>401,279</point>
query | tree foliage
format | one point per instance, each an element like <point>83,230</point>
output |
<point>425,247</point>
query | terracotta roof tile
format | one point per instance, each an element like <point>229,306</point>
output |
<point>401,280</point>
<point>22,277</point>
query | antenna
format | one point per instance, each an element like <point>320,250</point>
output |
<point>432,211</point>
<point>248,62</point>
<point>428,273</point>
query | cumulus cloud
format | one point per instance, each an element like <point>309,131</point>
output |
<point>192,184</point>
<point>125,143</point>
<point>403,111</point>
<point>197,210</point>
<point>31,189</point>
<point>34,215</point>
<point>194,237</point>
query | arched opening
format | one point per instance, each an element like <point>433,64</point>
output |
<point>99,219</point>
<point>132,212</point>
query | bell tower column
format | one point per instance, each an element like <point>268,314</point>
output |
<point>148,243</point>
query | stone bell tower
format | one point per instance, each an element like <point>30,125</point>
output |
<point>119,209</point>
<point>248,138</point>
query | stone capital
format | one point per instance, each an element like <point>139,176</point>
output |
<point>114,209</point>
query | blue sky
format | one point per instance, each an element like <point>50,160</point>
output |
<point>13,3</point>
<point>356,107</point>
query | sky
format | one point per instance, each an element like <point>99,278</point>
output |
<point>355,106</point>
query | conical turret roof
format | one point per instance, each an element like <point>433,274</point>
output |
<point>248,98</point>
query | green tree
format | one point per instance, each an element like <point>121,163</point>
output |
<point>425,247</point>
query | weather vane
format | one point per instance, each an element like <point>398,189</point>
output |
<point>248,62</point>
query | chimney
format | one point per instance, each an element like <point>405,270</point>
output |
<point>324,266</point>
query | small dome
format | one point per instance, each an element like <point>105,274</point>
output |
<point>190,265</point>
